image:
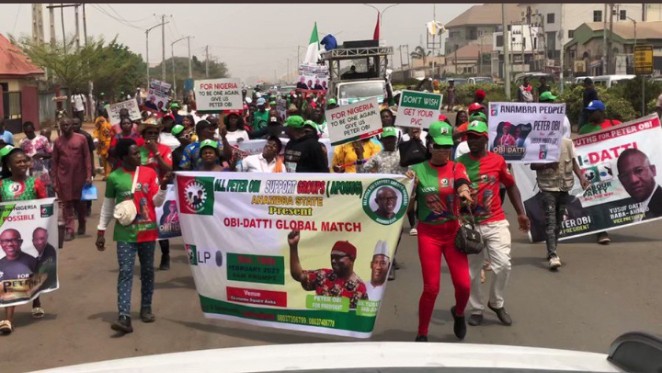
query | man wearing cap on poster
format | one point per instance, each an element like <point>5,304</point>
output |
<point>338,281</point>
<point>379,270</point>
<point>486,170</point>
<point>303,153</point>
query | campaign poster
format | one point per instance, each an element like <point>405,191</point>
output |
<point>218,94</point>
<point>131,105</point>
<point>354,122</point>
<point>620,164</point>
<point>29,258</point>
<point>168,217</point>
<point>526,132</point>
<point>308,252</point>
<point>418,109</point>
<point>159,93</point>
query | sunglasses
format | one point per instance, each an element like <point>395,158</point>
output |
<point>442,147</point>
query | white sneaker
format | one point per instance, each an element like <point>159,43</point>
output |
<point>413,232</point>
<point>554,262</point>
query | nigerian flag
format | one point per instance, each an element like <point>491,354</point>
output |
<point>313,51</point>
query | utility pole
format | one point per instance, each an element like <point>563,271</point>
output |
<point>506,39</point>
<point>163,68</point>
<point>174,77</point>
<point>207,61</point>
<point>51,16</point>
<point>562,50</point>
<point>37,24</point>
<point>84,26</point>
<point>604,41</point>
<point>77,27</point>
<point>400,48</point>
<point>611,38</point>
<point>190,70</point>
<point>64,36</point>
<point>147,48</point>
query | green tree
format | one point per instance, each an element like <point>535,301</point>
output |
<point>217,70</point>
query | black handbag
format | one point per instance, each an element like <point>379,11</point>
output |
<point>412,152</point>
<point>469,240</point>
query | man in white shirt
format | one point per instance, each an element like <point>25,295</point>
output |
<point>268,161</point>
<point>78,102</point>
<point>379,267</point>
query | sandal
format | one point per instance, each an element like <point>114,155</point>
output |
<point>5,327</point>
<point>38,313</point>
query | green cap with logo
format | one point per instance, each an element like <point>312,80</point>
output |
<point>208,144</point>
<point>478,127</point>
<point>5,150</point>
<point>294,121</point>
<point>389,132</point>
<point>478,115</point>
<point>547,96</point>
<point>441,133</point>
<point>311,124</point>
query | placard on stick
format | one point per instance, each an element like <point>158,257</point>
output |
<point>418,109</point>
<point>131,105</point>
<point>354,122</point>
<point>218,94</point>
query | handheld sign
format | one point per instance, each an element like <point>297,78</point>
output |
<point>218,94</point>
<point>131,105</point>
<point>354,122</point>
<point>418,109</point>
<point>526,132</point>
<point>158,93</point>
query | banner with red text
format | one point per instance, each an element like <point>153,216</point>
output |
<point>306,252</point>
<point>28,259</point>
<point>218,94</point>
<point>620,163</point>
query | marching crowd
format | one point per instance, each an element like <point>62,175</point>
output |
<point>455,176</point>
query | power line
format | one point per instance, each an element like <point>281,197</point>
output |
<point>132,21</point>
<point>115,18</point>
<point>18,13</point>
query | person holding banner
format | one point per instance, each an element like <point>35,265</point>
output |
<point>191,157</point>
<point>338,281</point>
<point>139,235</point>
<point>16,185</point>
<point>440,183</point>
<point>268,161</point>
<point>211,159</point>
<point>487,171</point>
<point>303,153</point>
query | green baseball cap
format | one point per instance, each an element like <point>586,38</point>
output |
<point>177,129</point>
<point>331,101</point>
<point>478,115</point>
<point>547,96</point>
<point>441,133</point>
<point>478,127</point>
<point>311,124</point>
<point>389,132</point>
<point>209,143</point>
<point>5,150</point>
<point>294,121</point>
<point>175,105</point>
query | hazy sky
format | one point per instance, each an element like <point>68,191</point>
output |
<point>254,40</point>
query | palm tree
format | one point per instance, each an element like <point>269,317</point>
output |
<point>420,53</point>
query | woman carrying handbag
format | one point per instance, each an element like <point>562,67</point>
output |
<point>440,185</point>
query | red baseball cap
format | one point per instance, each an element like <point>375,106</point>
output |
<point>443,118</point>
<point>480,94</point>
<point>475,107</point>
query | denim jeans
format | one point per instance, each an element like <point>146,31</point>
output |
<point>554,206</point>
<point>126,258</point>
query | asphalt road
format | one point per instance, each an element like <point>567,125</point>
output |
<point>599,293</point>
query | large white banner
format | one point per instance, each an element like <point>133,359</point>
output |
<point>620,163</point>
<point>300,251</point>
<point>526,132</point>
<point>28,260</point>
<point>354,122</point>
<point>114,110</point>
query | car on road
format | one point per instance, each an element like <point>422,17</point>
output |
<point>638,352</point>
<point>480,80</point>
<point>610,80</point>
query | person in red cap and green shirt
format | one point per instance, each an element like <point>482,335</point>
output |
<point>486,171</point>
<point>597,121</point>
<point>440,184</point>
<point>338,281</point>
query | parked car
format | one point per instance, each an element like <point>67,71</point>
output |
<point>480,79</point>
<point>610,80</point>
<point>534,77</point>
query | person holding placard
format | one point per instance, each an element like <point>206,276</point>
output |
<point>16,185</point>
<point>303,153</point>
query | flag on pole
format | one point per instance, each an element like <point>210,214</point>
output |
<point>375,35</point>
<point>313,51</point>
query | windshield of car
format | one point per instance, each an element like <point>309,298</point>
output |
<point>483,80</point>
<point>361,90</point>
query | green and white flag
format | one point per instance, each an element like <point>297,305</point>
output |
<point>313,51</point>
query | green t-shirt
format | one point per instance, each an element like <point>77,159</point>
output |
<point>260,120</point>
<point>589,128</point>
<point>118,187</point>
<point>435,192</point>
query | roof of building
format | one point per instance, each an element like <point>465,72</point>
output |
<point>13,62</point>
<point>470,51</point>
<point>625,29</point>
<point>486,14</point>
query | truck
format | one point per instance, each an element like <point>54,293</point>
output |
<point>357,71</point>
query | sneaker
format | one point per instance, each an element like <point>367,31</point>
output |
<point>123,324</point>
<point>603,238</point>
<point>5,327</point>
<point>460,325</point>
<point>81,228</point>
<point>554,262</point>
<point>146,315</point>
<point>413,232</point>
<point>475,319</point>
<point>38,312</point>
<point>501,313</point>
<point>421,338</point>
